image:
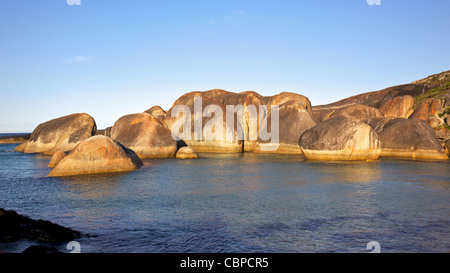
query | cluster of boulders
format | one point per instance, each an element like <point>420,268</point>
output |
<point>362,127</point>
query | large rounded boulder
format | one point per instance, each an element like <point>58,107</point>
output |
<point>408,138</point>
<point>98,154</point>
<point>61,134</point>
<point>145,135</point>
<point>293,121</point>
<point>340,138</point>
<point>201,122</point>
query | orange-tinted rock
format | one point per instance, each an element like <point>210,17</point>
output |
<point>294,120</point>
<point>340,138</point>
<point>56,158</point>
<point>357,111</point>
<point>430,107</point>
<point>398,107</point>
<point>409,138</point>
<point>60,134</point>
<point>186,153</point>
<point>145,135</point>
<point>98,154</point>
<point>157,112</point>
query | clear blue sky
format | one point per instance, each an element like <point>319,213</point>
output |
<point>109,58</point>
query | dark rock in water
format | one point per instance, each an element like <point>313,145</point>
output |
<point>37,250</point>
<point>145,135</point>
<point>15,227</point>
<point>98,154</point>
<point>61,134</point>
<point>340,138</point>
<point>15,138</point>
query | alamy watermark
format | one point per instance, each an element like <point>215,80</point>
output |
<point>250,125</point>
<point>73,2</point>
<point>374,2</point>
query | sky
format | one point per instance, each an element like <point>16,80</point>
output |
<point>109,58</point>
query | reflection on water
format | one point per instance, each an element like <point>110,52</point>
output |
<point>239,203</point>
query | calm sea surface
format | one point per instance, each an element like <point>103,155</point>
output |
<point>238,203</point>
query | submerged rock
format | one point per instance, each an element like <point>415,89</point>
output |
<point>294,120</point>
<point>145,135</point>
<point>98,154</point>
<point>186,153</point>
<point>61,134</point>
<point>340,138</point>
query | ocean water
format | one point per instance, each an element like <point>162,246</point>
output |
<point>238,203</point>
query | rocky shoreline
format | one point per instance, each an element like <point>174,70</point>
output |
<point>386,123</point>
<point>15,227</point>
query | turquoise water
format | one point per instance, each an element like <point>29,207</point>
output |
<point>239,203</point>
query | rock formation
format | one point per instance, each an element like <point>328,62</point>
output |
<point>145,135</point>
<point>340,138</point>
<point>56,158</point>
<point>407,138</point>
<point>398,107</point>
<point>14,227</point>
<point>61,134</point>
<point>201,132</point>
<point>157,112</point>
<point>294,119</point>
<point>186,153</point>
<point>98,154</point>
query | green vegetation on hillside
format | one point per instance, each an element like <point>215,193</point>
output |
<point>437,93</point>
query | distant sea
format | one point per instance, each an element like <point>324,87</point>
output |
<point>238,203</point>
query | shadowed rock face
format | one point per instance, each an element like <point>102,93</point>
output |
<point>399,107</point>
<point>61,134</point>
<point>98,154</point>
<point>408,138</point>
<point>144,134</point>
<point>293,121</point>
<point>206,142</point>
<point>340,138</point>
